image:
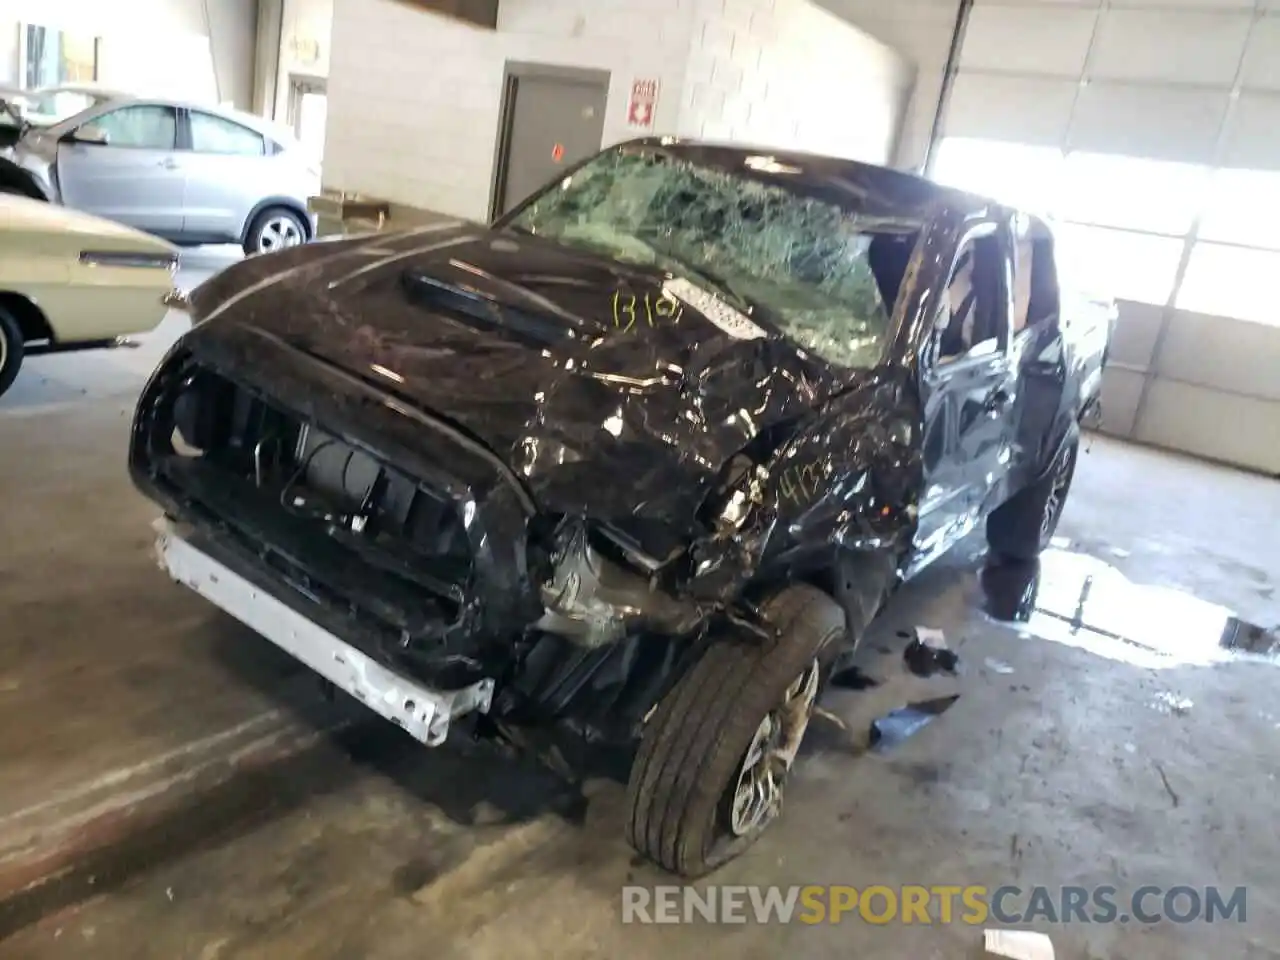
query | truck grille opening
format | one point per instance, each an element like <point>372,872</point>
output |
<point>325,514</point>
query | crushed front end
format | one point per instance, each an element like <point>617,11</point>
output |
<point>388,549</point>
<point>374,542</point>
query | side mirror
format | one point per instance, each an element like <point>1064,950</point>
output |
<point>90,134</point>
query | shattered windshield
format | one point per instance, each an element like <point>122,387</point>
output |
<point>799,263</point>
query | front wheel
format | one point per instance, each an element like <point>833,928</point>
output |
<point>713,761</point>
<point>11,350</point>
<point>1023,526</point>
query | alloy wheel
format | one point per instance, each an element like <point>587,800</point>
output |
<point>757,797</point>
<point>1057,496</point>
<point>279,233</point>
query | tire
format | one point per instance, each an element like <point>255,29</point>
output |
<point>275,228</point>
<point>1023,526</point>
<point>11,350</point>
<point>694,750</point>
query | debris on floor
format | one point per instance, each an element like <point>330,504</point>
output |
<point>1171,704</point>
<point>1017,945</point>
<point>898,725</point>
<point>928,654</point>
<point>1251,638</point>
<point>998,666</point>
<point>852,678</point>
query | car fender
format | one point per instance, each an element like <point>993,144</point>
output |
<point>848,481</point>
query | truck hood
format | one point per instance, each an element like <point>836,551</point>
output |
<point>613,389</point>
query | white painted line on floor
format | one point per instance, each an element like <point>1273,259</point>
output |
<point>117,777</point>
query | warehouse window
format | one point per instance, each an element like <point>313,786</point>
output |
<point>1243,207</point>
<point>1103,261</point>
<point>970,323</point>
<point>1013,173</point>
<point>1138,194</point>
<point>1231,282</point>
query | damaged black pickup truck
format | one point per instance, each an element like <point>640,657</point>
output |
<point>644,457</point>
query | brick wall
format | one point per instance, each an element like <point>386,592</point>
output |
<point>787,73</point>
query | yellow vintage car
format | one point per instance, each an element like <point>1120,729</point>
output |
<point>70,281</point>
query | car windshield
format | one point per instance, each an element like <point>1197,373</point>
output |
<point>802,264</point>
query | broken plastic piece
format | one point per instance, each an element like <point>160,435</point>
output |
<point>896,726</point>
<point>928,653</point>
<point>1171,703</point>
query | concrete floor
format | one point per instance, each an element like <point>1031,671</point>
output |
<point>1058,764</point>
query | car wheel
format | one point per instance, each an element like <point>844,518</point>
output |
<point>273,230</point>
<point>709,775</point>
<point>1023,526</point>
<point>11,350</point>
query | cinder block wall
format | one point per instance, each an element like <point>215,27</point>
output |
<point>787,73</point>
<point>414,98</point>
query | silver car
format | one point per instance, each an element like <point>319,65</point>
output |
<point>189,173</point>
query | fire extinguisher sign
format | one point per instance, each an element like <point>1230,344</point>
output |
<point>643,105</point>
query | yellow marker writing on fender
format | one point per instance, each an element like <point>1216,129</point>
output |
<point>628,310</point>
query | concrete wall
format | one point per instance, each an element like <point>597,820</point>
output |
<point>921,31</point>
<point>787,73</point>
<point>151,45</point>
<point>305,42</point>
<point>233,32</point>
<point>414,98</point>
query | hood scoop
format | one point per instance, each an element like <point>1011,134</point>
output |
<point>475,309</point>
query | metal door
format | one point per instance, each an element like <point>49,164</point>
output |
<point>550,122</point>
<point>968,388</point>
<point>136,178</point>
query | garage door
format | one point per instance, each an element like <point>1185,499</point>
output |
<point>1151,130</point>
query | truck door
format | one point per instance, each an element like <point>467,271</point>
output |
<point>969,385</point>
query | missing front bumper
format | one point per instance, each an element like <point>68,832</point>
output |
<point>426,714</point>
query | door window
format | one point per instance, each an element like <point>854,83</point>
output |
<point>144,128</point>
<point>1035,283</point>
<point>972,321</point>
<point>210,134</point>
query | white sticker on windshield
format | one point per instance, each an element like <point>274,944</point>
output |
<point>733,322</point>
